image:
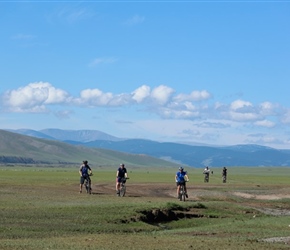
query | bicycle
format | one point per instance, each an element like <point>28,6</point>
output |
<point>182,193</point>
<point>122,190</point>
<point>88,184</point>
<point>224,178</point>
<point>206,177</point>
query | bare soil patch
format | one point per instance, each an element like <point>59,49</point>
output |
<point>138,190</point>
<point>285,240</point>
<point>276,196</point>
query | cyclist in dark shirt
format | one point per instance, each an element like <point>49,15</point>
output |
<point>121,173</point>
<point>224,174</point>
<point>85,171</point>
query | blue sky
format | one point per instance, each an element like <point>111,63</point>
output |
<point>213,72</point>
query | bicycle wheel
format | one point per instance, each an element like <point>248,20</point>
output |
<point>224,179</point>
<point>88,187</point>
<point>183,197</point>
<point>182,193</point>
<point>122,190</point>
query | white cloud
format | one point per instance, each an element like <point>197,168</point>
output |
<point>239,104</point>
<point>193,96</point>
<point>242,111</point>
<point>189,106</point>
<point>243,117</point>
<point>34,97</point>
<point>161,101</point>
<point>268,108</point>
<point>161,94</point>
<point>265,123</point>
<point>121,100</point>
<point>141,93</point>
<point>177,114</point>
<point>94,97</point>
<point>183,117</point>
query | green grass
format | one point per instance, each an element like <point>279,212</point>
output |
<point>41,208</point>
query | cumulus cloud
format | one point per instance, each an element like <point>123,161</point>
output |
<point>170,113</point>
<point>244,111</point>
<point>34,97</point>
<point>240,110</point>
<point>193,96</point>
<point>94,97</point>
<point>161,100</point>
<point>161,94</point>
<point>240,104</point>
<point>140,94</point>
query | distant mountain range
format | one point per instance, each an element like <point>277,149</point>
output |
<point>64,135</point>
<point>16,148</point>
<point>190,155</point>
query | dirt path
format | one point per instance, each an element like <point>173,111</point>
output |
<point>195,192</point>
<point>276,196</point>
<point>139,190</point>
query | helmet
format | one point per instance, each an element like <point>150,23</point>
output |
<point>180,168</point>
<point>85,162</point>
<point>122,165</point>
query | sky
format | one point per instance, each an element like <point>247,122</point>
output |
<point>208,72</point>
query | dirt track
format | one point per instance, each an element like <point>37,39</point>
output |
<point>195,193</point>
<point>139,190</point>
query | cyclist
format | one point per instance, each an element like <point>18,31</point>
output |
<point>121,173</point>
<point>180,178</point>
<point>224,174</point>
<point>206,173</point>
<point>85,171</point>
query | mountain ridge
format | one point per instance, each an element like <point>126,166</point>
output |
<point>198,156</point>
<point>24,149</point>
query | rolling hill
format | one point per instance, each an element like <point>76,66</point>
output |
<point>17,148</point>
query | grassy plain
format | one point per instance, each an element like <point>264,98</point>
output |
<point>41,208</point>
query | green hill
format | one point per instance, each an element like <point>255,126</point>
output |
<point>16,148</point>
